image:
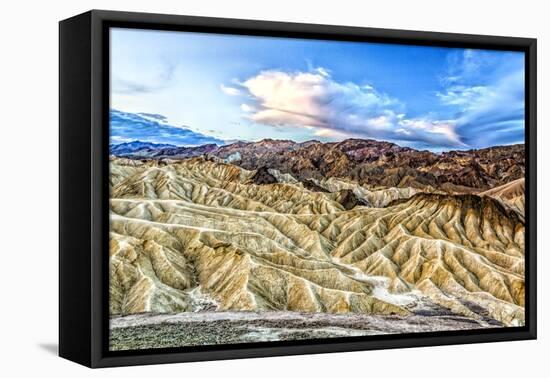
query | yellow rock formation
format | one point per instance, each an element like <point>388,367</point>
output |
<point>196,234</point>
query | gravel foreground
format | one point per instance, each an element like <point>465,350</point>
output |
<point>147,331</point>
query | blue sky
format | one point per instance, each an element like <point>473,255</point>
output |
<point>190,88</point>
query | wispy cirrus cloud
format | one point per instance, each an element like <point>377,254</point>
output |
<point>487,92</point>
<point>467,97</point>
<point>158,79</point>
<point>146,127</point>
<point>333,109</point>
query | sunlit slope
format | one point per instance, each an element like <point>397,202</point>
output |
<point>462,251</point>
<point>217,185</point>
<point>198,234</point>
<point>511,195</point>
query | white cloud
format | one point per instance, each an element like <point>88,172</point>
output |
<point>231,91</point>
<point>329,133</point>
<point>331,109</point>
<point>247,108</point>
<point>313,99</point>
<point>433,131</point>
<point>467,97</point>
<point>323,71</point>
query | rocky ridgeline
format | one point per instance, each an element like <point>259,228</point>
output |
<point>367,162</point>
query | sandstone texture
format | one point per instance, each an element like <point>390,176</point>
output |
<point>332,236</point>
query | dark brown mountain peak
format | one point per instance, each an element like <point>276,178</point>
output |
<point>348,199</point>
<point>263,177</point>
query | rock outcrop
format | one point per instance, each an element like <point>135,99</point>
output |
<point>511,195</point>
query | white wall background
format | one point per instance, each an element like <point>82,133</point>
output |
<point>29,186</point>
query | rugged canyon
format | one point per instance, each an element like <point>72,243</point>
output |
<point>357,228</point>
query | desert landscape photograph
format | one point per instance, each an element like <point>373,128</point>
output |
<point>272,189</point>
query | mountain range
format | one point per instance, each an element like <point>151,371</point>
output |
<point>366,162</point>
<point>134,147</point>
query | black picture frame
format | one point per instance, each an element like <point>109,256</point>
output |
<point>83,182</point>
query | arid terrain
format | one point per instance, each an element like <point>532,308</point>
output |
<point>263,241</point>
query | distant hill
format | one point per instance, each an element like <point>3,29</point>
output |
<point>365,161</point>
<point>130,148</point>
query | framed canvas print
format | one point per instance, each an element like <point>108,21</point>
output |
<point>233,188</point>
